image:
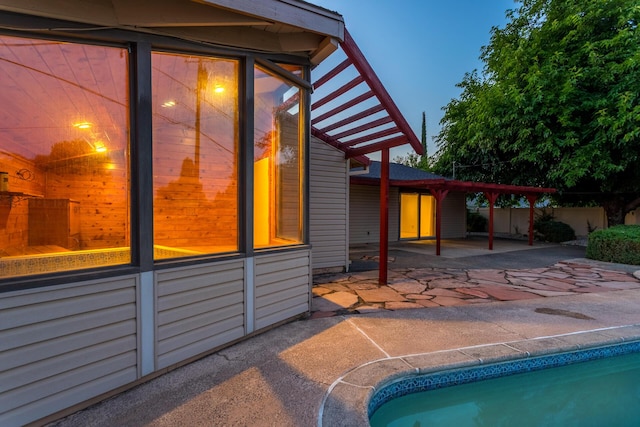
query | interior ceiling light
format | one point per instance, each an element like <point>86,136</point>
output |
<point>99,147</point>
<point>82,125</point>
<point>169,104</point>
<point>218,89</point>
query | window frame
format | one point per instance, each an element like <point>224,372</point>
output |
<point>139,47</point>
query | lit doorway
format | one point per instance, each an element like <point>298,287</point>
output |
<point>417,216</point>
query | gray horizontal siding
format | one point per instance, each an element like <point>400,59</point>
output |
<point>454,216</point>
<point>329,198</point>
<point>65,344</point>
<point>199,308</point>
<point>282,287</point>
<point>364,217</point>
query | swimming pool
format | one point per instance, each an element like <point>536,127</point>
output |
<point>594,387</point>
<point>352,397</point>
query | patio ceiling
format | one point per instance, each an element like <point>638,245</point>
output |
<point>352,111</point>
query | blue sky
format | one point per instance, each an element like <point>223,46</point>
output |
<point>420,49</point>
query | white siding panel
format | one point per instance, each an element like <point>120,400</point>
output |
<point>282,286</point>
<point>329,205</point>
<point>62,345</point>
<point>364,218</point>
<point>454,216</point>
<point>199,308</point>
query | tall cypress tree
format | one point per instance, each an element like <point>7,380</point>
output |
<point>424,159</point>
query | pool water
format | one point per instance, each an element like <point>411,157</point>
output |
<point>603,392</point>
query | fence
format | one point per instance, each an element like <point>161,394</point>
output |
<point>582,220</point>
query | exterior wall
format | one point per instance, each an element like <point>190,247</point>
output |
<point>282,287</point>
<point>62,345</point>
<point>454,216</point>
<point>516,220</point>
<point>329,206</point>
<point>199,308</point>
<point>364,214</point>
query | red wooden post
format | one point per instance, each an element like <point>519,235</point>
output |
<point>439,195</point>
<point>531,198</point>
<point>491,197</point>
<point>384,217</point>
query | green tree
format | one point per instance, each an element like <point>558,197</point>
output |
<point>557,105</point>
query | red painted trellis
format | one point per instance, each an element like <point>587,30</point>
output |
<point>387,129</point>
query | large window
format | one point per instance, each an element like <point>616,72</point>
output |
<point>195,155</point>
<point>278,162</point>
<point>64,194</point>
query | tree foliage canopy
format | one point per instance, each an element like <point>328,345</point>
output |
<point>557,104</point>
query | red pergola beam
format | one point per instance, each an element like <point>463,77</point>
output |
<point>336,93</point>
<point>351,119</point>
<point>372,148</point>
<point>372,137</point>
<point>364,127</point>
<point>355,101</point>
<point>362,65</point>
<point>331,74</point>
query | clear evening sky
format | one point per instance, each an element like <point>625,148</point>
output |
<point>420,49</point>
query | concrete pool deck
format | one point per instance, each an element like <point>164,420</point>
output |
<point>318,372</point>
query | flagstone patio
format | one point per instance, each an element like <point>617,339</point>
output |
<point>358,293</point>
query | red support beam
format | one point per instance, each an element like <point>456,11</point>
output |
<point>364,127</point>
<point>364,68</point>
<point>352,119</point>
<point>491,197</point>
<point>336,93</point>
<point>376,146</point>
<point>439,194</point>
<point>531,198</point>
<point>372,137</point>
<point>384,218</point>
<point>340,108</point>
<point>331,74</point>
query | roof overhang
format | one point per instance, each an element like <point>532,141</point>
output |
<point>357,115</point>
<point>281,26</point>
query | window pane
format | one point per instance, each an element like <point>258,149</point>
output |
<point>195,140</point>
<point>278,162</point>
<point>408,216</point>
<point>64,202</point>
<point>427,215</point>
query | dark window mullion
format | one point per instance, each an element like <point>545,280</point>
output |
<point>141,157</point>
<point>245,174</point>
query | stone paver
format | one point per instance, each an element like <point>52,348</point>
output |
<point>436,287</point>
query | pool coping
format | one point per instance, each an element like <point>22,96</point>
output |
<point>346,402</point>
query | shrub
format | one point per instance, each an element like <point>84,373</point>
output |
<point>554,231</point>
<point>476,222</point>
<point>620,244</point>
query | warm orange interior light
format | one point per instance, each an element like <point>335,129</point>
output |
<point>82,125</point>
<point>99,147</point>
<point>218,89</point>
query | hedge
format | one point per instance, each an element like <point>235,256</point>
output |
<point>619,244</point>
<point>554,231</point>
